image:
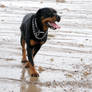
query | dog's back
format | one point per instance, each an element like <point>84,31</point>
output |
<point>26,21</point>
<point>25,24</point>
<point>27,17</point>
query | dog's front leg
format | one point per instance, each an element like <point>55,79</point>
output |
<point>33,72</point>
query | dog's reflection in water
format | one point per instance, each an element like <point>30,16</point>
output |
<point>29,86</point>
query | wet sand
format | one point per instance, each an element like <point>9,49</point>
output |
<point>64,62</point>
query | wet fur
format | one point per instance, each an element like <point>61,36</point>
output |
<point>27,36</point>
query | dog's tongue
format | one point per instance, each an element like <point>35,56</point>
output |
<point>55,25</point>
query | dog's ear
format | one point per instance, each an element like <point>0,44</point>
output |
<point>43,12</point>
<point>38,14</point>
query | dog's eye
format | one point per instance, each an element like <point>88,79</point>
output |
<point>51,15</point>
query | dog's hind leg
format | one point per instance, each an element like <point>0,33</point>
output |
<point>24,60</point>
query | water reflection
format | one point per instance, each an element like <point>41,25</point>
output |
<point>62,1</point>
<point>29,86</point>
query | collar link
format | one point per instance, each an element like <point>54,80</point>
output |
<point>37,31</point>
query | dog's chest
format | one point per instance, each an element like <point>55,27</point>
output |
<point>33,43</point>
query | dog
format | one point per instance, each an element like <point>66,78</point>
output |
<point>34,32</point>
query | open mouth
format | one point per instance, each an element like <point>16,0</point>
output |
<point>53,25</point>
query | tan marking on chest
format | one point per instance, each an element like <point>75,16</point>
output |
<point>42,43</point>
<point>32,42</point>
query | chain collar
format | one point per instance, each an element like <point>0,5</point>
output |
<point>37,32</point>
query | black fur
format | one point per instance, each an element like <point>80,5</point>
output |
<point>27,31</point>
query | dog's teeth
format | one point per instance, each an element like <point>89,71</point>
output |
<point>49,23</point>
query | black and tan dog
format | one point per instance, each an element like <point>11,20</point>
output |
<point>34,31</point>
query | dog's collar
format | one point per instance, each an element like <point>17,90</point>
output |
<point>36,31</point>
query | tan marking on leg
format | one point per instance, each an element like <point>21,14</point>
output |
<point>32,70</point>
<point>42,43</point>
<point>33,51</point>
<point>23,52</point>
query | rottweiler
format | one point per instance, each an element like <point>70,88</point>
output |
<point>34,32</point>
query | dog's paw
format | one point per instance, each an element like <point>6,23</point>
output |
<point>32,70</point>
<point>35,75</point>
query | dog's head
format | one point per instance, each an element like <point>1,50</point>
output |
<point>48,17</point>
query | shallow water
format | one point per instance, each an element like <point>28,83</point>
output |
<point>64,62</point>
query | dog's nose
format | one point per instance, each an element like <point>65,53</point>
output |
<point>58,18</point>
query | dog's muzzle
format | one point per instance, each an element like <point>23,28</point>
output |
<point>53,25</point>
